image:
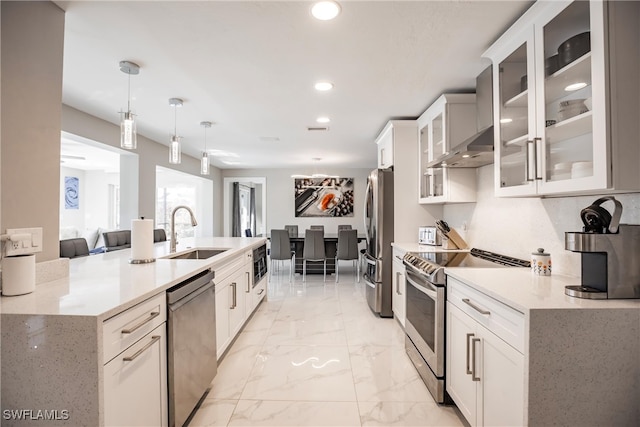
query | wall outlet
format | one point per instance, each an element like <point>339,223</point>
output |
<point>25,241</point>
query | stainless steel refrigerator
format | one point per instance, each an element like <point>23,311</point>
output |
<point>378,224</point>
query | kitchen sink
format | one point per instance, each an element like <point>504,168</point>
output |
<point>197,254</point>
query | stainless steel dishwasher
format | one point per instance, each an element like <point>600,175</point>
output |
<point>191,358</point>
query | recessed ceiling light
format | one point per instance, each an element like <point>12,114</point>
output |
<point>466,156</point>
<point>323,120</point>
<point>325,10</point>
<point>323,86</point>
<point>575,86</point>
<point>506,120</point>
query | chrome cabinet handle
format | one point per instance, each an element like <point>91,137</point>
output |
<point>537,147</point>
<point>248,283</point>
<point>468,350</point>
<point>131,358</point>
<point>475,307</point>
<point>530,149</point>
<point>152,316</point>
<point>473,356</point>
<point>233,296</point>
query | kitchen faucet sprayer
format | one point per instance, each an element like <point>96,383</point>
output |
<point>174,236</point>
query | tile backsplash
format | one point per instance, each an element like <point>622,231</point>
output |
<point>518,226</point>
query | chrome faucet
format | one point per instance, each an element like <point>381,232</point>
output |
<point>174,236</point>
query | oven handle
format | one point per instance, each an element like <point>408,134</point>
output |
<point>423,288</point>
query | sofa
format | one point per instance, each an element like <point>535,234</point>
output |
<point>116,240</point>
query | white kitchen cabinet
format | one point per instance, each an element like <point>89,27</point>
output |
<point>135,383</point>
<point>542,150</point>
<point>385,148</point>
<point>135,376</point>
<point>236,298</point>
<point>398,298</point>
<point>485,373</point>
<point>446,123</point>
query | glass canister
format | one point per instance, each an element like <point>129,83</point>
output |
<point>541,263</point>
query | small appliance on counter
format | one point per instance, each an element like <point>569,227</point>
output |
<point>450,237</point>
<point>610,254</point>
<point>429,235</point>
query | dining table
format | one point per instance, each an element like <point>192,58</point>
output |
<point>330,248</point>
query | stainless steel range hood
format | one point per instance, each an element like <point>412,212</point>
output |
<point>477,150</point>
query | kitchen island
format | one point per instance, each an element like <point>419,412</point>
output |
<point>538,356</point>
<point>56,343</point>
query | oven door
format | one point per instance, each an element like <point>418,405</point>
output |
<point>425,319</point>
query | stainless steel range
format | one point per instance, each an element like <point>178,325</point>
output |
<point>426,297</point>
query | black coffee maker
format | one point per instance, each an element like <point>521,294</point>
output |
<point>610,254</point>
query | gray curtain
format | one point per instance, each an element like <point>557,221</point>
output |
<point>235,213</point>
<point>252,211</point>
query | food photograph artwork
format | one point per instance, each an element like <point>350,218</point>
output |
<point>325,197</point>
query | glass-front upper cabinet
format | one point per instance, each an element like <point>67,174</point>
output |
<point>446,123</point>
<point>553,99</point>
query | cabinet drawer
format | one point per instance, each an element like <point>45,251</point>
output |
<point>398,254</point>
<point>504,321</point>
<point>228,268</point>
<point>124,329</point>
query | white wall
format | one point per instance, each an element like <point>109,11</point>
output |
<point>281,203</point>
<point>517,226</point>
<point>151,154</point>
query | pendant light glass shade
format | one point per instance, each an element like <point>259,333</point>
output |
<point>128,135</point>
<point>204,161</point>
<point>204,164</point>
<point>175,150</point>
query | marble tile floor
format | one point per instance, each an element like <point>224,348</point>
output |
<point>314,354</point>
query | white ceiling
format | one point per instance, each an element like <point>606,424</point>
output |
<point>250,68</point>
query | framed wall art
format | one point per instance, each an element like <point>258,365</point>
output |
<point>323,197</point>
<point>71,192</point>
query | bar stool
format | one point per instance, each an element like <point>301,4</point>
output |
<point>281,250</point>
<point>348,250</point>
<point>313,251</point>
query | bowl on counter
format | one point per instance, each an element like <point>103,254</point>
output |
<point>573,48</point>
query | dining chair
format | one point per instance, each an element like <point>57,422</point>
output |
<point>347,250</point>
<point>281,250</point>
<point>313,251</point>
<point>248,233</point>
<point>292,229</point>
<point>159,235</point>
<point>73,248</point>
<point>344,227</point>
<point>317,227</point>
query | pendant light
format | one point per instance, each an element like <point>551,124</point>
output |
<point>128,138</point>
<point>175,151</point>
<point>204,162</point>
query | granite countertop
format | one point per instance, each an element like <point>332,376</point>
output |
<point>524,291</point>
<point>103,285</point>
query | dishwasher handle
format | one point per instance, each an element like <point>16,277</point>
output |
<point>176,305</point>
<point>182,289</point>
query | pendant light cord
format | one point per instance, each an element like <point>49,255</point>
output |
<point>175,121</point>
<point>205,139</point>
<point>129,93</point>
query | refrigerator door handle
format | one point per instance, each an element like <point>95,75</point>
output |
<point>368,282</point>
<point>369,259</point>
<point>366,202</point>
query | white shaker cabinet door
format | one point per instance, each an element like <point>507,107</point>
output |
<point>460,386</point>
<point>135,383</point>
<point>501,381</point>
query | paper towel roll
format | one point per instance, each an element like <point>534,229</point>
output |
<point>18,274</point>
<point>142,240</point>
